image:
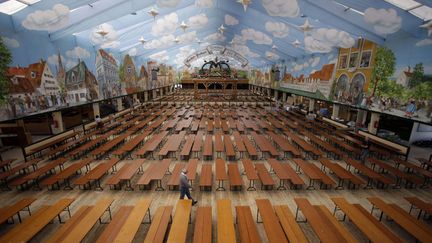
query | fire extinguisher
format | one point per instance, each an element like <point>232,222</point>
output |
<point>376,124</point>
<point>55,124</point>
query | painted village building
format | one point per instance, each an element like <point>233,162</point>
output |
<point>107,75</point>
<point>143,78</point>
<point>129,75</point>
<point>81,84</point>
<point>152,68</point>
<point>34,80</point>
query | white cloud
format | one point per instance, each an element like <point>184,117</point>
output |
<point>313,70</point>
<point>314,61</point>
<point>133,52</point>
<point>230,20</point>
<point>49,20</point>
<point>165,25</point>
<point>184,52</point>
<point>282,8</point>
<point>78,52</point>
<point>215,37</point>
<point>323,40</point>
<point>424,42</point>
<point>244,50</point>
<point>256,36</point>
<point>334,37</point>
<point>297,67</point>
<point>198,21</point>
<point>271,55</point>
<point>167,3</point>
<point>305,65</point>
<point>53,59</point>
<point>161,56</point>
<point>384,21</point>
<point>313,45</point>
<point>188,37</point>
<point>10,42</point>
<point>204,3</point>
<point>278,29</point>
<point>110,40</point>
<point>162,42</point>
<point>331,56</point>
<point>238,39</point>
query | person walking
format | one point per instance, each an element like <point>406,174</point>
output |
<point>184,187</point>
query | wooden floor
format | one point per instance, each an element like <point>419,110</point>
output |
<point>208,198</point>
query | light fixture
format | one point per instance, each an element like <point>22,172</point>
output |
<point>142,40</point>
<point>274,47</point>
<point>296,43</point>
<point>306,26</point>
<point>101,31</point>
<point>153,12</point>
<point>221,29</point>
<point>176,40</point>
<point>198,41</point>
<point>184,26</point>
<point>245,3</point>
<point>428,26</point>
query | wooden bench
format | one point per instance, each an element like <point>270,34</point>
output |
<point>267,181</point>
<point>422,206</point>
<point>187,146</point>
<point>314,174</point>
<point>219,147</point>
<point>248,231</point>
<point>172,145</point>
<point>134,220</point>
<point>251,173</point>
<point>35,223</point>
<point>284,145</point>
<point>289,224</point>
<point>410,180</point>
<point>341,173</point>
<point>221,174</point>
<point>54,180</point>
<point>127,148</point>
<point>230,153</point>
<point>264,145</point>
<point>381,181</point>
<point>206,177</point>
<point>273,229</point>
<point>318,219</point>
<point>196,148</point>
<point>96,174</point>
<point>155,172</point>
<point>235,180</point>
<point>113,228</point>
<point>285,173</point>
<point>239,143</point>
<point>159,225</point>
<point>203,225</point>
<point>8,212</point>
<point>76,230</point>
<point>173,182</point>
<point>225,222</point>
<point>125,174</point>
<point>180,222</point>
<point>416,228</point>
<point>33,178</point>
<point>367,225</point>
<point>253,154</point>
<point>208,147</point>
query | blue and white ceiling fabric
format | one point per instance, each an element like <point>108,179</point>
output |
<point>168,31</point>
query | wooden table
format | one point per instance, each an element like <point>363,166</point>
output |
<point>180,222</point>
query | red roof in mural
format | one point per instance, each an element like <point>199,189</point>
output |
<point>25,79</point>
<point>105,55</point>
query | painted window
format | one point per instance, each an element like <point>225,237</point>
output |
<point>343,61</point>
<point>365,59</point>
<point>353,60</point>
<point>33,74</point>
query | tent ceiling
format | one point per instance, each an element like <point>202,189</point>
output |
<point>264,32</point>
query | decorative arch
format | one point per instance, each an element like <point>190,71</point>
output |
<point>341,85</point>
<point>218,51</point>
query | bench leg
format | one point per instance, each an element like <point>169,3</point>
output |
<point>281,185</point>
<point>98,185</point>
<point>296,216</point>
<point>311,184</point>
<point>128,186</point>
<point>67,184</point>
<point>340,184</point>
<point>109,214</point>
<point>251,185</point>
<point>159,186</point>
<point>369,183</point>
<point>220,186</point>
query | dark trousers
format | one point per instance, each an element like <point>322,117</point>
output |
<point>185,191</point>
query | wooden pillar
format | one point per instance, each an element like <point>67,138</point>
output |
<point>145,96</point>
<point>284,97</point>
<point>57,126</point>
<point>96,111</point>
<point>276,94</point>
<point>311,104</point>
<point>119,104</point>
<point>335,113</point>
<point>374,122</point>
<point>361,117</point>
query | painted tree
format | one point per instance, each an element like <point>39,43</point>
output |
<point>417,75</point>
<point>5,60</point>
<point>383,69</point>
